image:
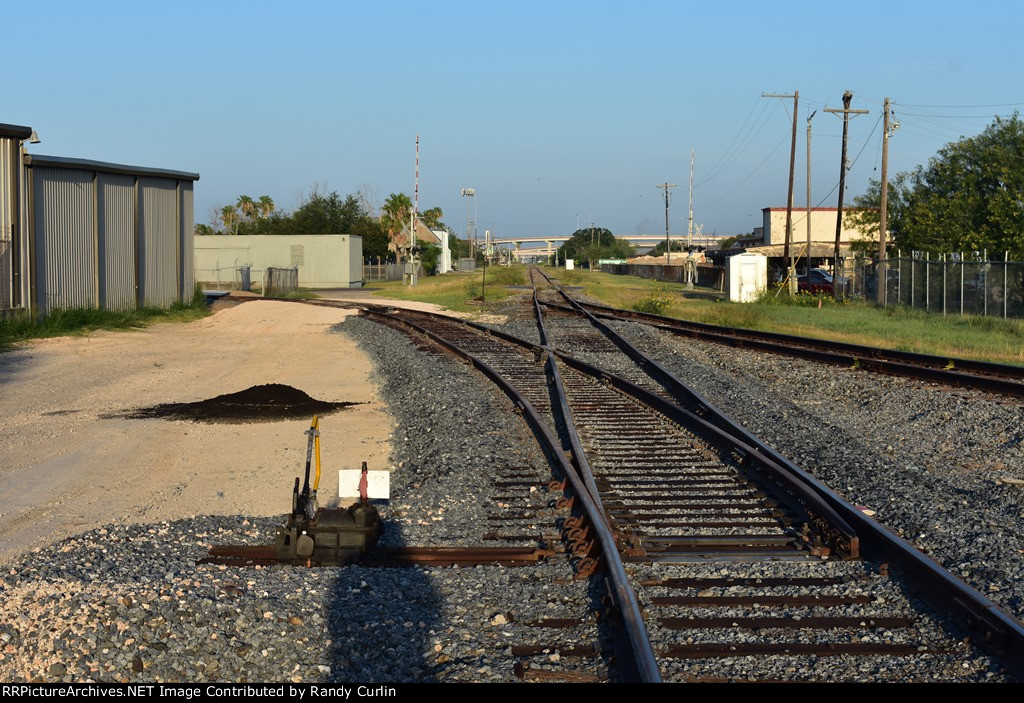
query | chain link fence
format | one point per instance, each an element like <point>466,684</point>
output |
<point>950,284</point>
<point>280,281</point>
<point>704,275</point>
<point>386,271</point>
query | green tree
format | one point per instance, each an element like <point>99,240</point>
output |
<point>429,255</point>
<point>395,214</point>
<point>459,247</point>
<point>431,217</point>
<point>321,213</point>
<point>970,197</point>
<point>375,239</point>
<point>229,218</point>
<point>659,248</point>
<point>593,243</point>
<point>265,205</point>
<point>246,206</point>
<point>327,214</point>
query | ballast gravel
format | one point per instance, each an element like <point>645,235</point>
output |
<point>941,467</point>
<point>129,603</point>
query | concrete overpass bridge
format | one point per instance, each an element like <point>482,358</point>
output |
<point>549,244</point>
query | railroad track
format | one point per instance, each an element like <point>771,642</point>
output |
<point>724,559</point>
<point>1003,379</point>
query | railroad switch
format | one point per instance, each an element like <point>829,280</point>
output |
<point>327,536</point>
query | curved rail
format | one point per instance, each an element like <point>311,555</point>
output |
<point>1003,379</point>
<point>988,626</point>
<point>640,645</point>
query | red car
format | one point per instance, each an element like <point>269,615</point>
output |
<point>819,282</point>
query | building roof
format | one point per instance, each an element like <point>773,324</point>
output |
<point>797,209</point>
<point>15,131</point>
<point>423,234</point>
<point>819,250</point>
<point>88,165</point>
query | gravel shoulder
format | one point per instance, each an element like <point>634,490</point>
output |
<point>126,601</point>
<point>68,464</point>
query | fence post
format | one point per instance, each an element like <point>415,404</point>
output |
<point>984,282</point>
<point>913,265</point>
<point>1006,290</point>
<point>899,277</point>
<point>943,285</point>
<point>928,281</point>
<point>961,283</point>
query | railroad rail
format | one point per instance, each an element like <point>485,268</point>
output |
<point>1003,379</point>
<point>661,482</point>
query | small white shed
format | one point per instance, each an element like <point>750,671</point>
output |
<point>747,275</point>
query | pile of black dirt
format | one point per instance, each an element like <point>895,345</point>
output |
<point>265,403</point>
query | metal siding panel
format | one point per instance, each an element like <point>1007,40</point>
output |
<point>66,261</point>
<point>188,258</point>
<point>8,192</point>
<point>117,241</point>
<point>159,218</point>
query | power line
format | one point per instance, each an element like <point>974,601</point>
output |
<point>745,142</point>
<point>964,107</point>
<point>740,131</point>
<point>750,175</point>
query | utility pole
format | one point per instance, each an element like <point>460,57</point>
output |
<point>689,227</point>
<point>808,218</point>
<point>846,112</point>
<point>590,253</point>
<point>668,247</point>
<point>469,193</point>
<point>787,253</point>
<point>887,130</point>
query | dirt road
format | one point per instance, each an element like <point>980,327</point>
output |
<point>67,465</point>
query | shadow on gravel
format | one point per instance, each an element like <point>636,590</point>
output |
<point>264,403</point>
<point>383,623</point>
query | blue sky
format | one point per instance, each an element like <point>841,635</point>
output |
<point>549,110</point>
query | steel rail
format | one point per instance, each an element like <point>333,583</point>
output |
<point>987,625</point>
<point>1003,379</point>
<point>643,652</point>
<point>792,485</point>
<point>567,416</point>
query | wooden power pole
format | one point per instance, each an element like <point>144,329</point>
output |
<point>846,112</point>
<point>808,217</point>
<point>880,270</point>
<point>668,248</point>
<point>787,253</point>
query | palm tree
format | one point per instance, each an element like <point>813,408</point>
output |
<point>229,216</point>
<point>394,214</point>
<point>247,205</point>
<point>265,205</point>
<point>431,217</point>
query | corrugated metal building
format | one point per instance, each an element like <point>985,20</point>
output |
<point>96,234</point>
<point>323,260</point>
<point>107,235</point>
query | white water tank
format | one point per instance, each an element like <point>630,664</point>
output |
<point>747,275</point>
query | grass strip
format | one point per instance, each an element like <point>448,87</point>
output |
<point>74,321</point>
<point>907,329</point>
